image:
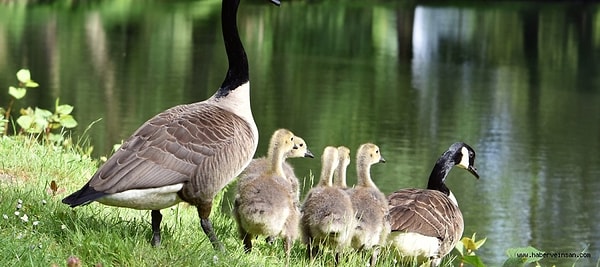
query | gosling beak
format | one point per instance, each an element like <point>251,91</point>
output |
<point>276,2</point>
<point>381,160</point>
<point>308,154</point>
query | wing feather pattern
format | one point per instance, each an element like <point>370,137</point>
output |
<point>166,150</point>
<point>426,212</point>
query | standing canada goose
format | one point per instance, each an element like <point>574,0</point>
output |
<point>186,153</point>
<point>263,164</point>
<point>370,205</point>
<point>427,223</point>
<point>327,214</point>
<point>264,204</point>
<point>339,175</point>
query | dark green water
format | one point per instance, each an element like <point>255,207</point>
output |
<point>517,81</point>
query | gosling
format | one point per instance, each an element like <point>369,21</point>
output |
<point>263,164</point>
<point>369,203</point>
<point>327,215</point>
<point>264,204</point>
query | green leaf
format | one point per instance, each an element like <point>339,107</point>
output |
<point>43,113</point>
<point>473,260</point>
<point>31,83</point>
<point>17,93</point>
<point>68,121</point>
<point>64,109</point>
<point>480,242</point>
<point>39,125</point>
<point>23,75</point>
<point>468,243</point>
<point>25,121</point>
<point>460,247</point>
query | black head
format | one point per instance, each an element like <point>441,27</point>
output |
<point>464,157</point>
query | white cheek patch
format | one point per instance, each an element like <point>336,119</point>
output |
<point>464,159</point>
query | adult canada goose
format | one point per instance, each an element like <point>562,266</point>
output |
<point>265,204</point>
<point>327,214</point>
<point>339,175</point>
<point>370,205</point>
<point>427,223</point>
<point>263,164</point>
<point>186,153</point>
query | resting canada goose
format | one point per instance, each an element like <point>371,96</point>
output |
<point>339,175</point>
<point>327,214</point>
<point>427,223</point>
<point>186,153</point>
<point>370,205</point>
<point>260,165</point>
<point>264,204</point>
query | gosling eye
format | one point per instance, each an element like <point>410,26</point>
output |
<point>301,145</point>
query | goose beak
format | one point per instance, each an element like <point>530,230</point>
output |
<point>276,2</point>
<point>309,154</point>
<point>473,171</point>
<point>381,160</point>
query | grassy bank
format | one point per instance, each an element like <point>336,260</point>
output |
<point>36,229</point>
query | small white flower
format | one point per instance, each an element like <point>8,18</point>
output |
<point>19,201</point>
<point>63,227</point>
<point>44,202</point>
<point>20,236</point>
<point>17,213</point>
<point>19,206</point>
<point>25,218</point>
<point>5,216</point>
<point>35,223</point>
<point>215,259</point>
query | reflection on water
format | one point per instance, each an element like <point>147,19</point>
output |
<point>516,81</point>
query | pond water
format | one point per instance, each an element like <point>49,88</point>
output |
<point>517,81</point>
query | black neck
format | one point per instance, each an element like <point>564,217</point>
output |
<point>439,173</point>
<point>237,74</point>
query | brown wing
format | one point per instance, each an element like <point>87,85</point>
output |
<point>427,212</point>
<point>167,149</point>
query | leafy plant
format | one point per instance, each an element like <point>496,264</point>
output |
<point>37,120</point>
<point>467,247</point>
<point>18,92</point>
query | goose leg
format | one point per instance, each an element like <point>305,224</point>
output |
<point>374,255</point>
<point>311,249</point>
<point>287,247</point>
<point>156,219</point>
<point>248,242</point>
<point>204,212</point>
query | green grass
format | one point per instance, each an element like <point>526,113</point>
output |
<point>51,232</point>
